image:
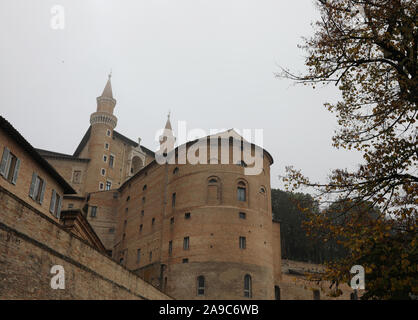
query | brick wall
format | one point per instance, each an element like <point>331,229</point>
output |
<point>31,243</point>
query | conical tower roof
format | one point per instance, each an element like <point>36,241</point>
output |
<point>107,91</point>
<point>168,123</point>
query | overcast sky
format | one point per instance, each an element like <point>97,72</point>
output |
<point>211,62</point>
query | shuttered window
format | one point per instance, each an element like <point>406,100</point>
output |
<point>9,166</point>
<point>37,188</point>
<point>55,205</point>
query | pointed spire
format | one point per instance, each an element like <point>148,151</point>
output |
<point>107,92</point>
<point>168,123</point>
<point>106,102</point>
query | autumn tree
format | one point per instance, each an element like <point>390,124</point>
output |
<point>369,50</point>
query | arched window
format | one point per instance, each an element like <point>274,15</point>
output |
<point>213,190</point>
<point>200,285</point>
<point>242,191</point>
<point>262,190</point>
<point>144,187</point>
<point>247,286</point>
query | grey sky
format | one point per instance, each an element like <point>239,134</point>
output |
<point>211,62</point>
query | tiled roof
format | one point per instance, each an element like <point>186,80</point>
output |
<point>22,142</point>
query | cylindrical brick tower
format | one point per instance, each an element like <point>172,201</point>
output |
<point>102,124</point>
<point>217,237</point>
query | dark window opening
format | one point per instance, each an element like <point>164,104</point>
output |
<point>247,286</point>
<point>173,200</point>
<point>111,160</point>
<point>242,194</point>
<point>186,243</point>
<point>242,242</point>
<point>276,292</point>
<point>200,285</point>
<point>93,212</point>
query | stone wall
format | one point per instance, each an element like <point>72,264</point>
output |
<point>31,243</point>
<point>298,287</point>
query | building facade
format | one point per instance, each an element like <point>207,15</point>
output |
<point>37,235</point>
<point>194,230</point>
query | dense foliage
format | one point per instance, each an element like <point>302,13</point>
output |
<point>296,245</point>
<point>369,50</point>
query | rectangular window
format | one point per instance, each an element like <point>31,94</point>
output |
<point>37,188</point>
<point>242,242</point>
<point>106,146</point>
<point>241,194</point>
<point>93,212</point>
<point>104,158</point>
<point>70,206</point>
<point>103,171</point>
<point>101,186</point>
<point>186,243</point>
<point>172,220</point>
<point>108,185</point>
<point>140,227</point>
<point>150,256</point>
<point>55,205</point>
<point>185,260</point>
<point>200,285</point>
<point>138,255</point>
<point>173,200</point>
<point>111,160</point>
<point>170,248</point>
<point>153,221</point>
<point>242,215</point>
<point>9,166</point>
<point>187,215</point>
